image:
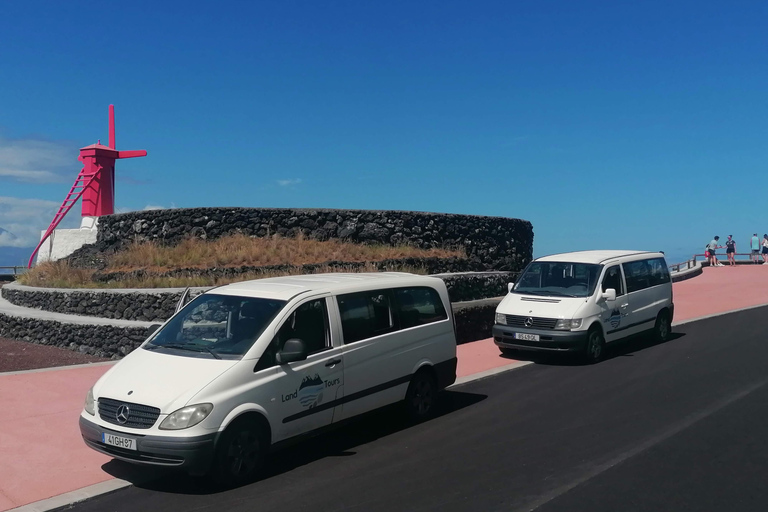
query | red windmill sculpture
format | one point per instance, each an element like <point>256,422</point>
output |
<point>95,183</point>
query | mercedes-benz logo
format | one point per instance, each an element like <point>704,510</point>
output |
<point>122,414</point>
<point>529,321</point>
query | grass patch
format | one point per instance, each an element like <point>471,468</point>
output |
<point>243,251</point>
<point>234,251</point>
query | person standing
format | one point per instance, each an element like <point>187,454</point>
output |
<point>755,246</point>
<point>765,248</point>
<point>712,247</point>
<point>730,250</point>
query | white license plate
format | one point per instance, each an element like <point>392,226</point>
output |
<point>526,337</point>
<point>119,441</point>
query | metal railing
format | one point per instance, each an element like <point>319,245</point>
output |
<point>686,265</point>
<point>12,271</point>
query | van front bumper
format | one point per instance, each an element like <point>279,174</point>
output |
<point>549,340</point>
<point>193,454</point>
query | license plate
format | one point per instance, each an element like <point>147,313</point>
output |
<point>526,337</point>
<point>119,441</point>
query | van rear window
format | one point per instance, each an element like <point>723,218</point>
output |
<point>365,314</point>
<point>418,306</point>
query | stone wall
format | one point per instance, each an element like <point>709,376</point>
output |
<point>473,322</point>
<point>491,243</point>
<point>156,305</point>
<point>98,340</point>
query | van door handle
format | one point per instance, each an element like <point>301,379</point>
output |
<point>332,363</point>
<point>624,306</point>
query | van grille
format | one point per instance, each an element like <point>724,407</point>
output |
<point>139,416</point>
<point>537,322</point>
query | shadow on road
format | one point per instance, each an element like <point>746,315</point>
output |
<point>624,348</point>
<point>340,441</point>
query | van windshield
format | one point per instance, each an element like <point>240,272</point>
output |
<point>216,326</point>
<point>558,279</point>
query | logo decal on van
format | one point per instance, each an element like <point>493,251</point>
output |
<point>310,392</point>
<point>615,319</point>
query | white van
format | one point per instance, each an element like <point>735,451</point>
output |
<point>578,301</point>
<point>248,365</point>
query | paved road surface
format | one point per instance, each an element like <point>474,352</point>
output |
<point>678,426</point>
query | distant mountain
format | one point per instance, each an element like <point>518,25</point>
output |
<point>6,236</point>
<point>12,256</point>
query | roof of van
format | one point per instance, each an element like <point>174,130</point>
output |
<point>287,287</point>
<point>594,256</point>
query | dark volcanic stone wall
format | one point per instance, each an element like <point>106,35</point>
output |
<point>98,340</point>
<point>477,285</point>
<point>158,305</point>
<point>473,322</point>
<point>125,305</point>
<point>492,243</point>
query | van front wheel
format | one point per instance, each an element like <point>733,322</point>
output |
<point>239,454</point>
<point>421,396</point>
<point>595,346</point>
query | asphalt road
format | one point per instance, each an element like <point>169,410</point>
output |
<point>678,426</point>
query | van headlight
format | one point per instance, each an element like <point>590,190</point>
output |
<point>501,318</point>
<point>186,417</point>
<point>90,403</point>
<point>567,325</point>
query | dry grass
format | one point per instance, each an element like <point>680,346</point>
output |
<point>230,252</point>
<point>243,251</point>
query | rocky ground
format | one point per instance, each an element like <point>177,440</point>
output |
<point>20,355</point>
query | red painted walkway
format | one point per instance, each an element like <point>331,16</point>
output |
<point>42,454</point>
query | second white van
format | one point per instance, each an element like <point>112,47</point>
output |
<point>579,301</point>
<point>246,366</point>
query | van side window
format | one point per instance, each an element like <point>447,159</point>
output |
<point>418,306</point>
<point>309,323</point>
<point>638,275</point>
<point>612,279</point>
<point>365,314</point>
<point>659,271</point>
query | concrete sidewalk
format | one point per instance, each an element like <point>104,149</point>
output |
<point>42,454</point>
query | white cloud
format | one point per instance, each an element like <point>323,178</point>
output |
<point>154,207</point>
<point>286,183</point>
<point>38,161</point>
<point>26,218</point>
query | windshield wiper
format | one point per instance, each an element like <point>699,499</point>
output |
<point>179,346</point>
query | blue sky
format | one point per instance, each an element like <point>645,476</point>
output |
<point>606,124</point>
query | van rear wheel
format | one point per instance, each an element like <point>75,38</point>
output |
<point>421,397</point>
<point>239,454</point>
<point>662,329</point>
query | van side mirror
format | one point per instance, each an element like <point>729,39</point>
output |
<point>152,329</point>
<point>510,286</point>
<point>293,350</point>
<point>609,295</point>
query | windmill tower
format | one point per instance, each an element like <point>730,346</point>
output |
<point>96,186</point>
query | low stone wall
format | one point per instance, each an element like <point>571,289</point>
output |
<point>468,286</point>
<point>473,322</point>
<point>156,305</point>
<point>98,340</point>
<point>142,305</point>
<point>474,319</point>
<point>491,243</point>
